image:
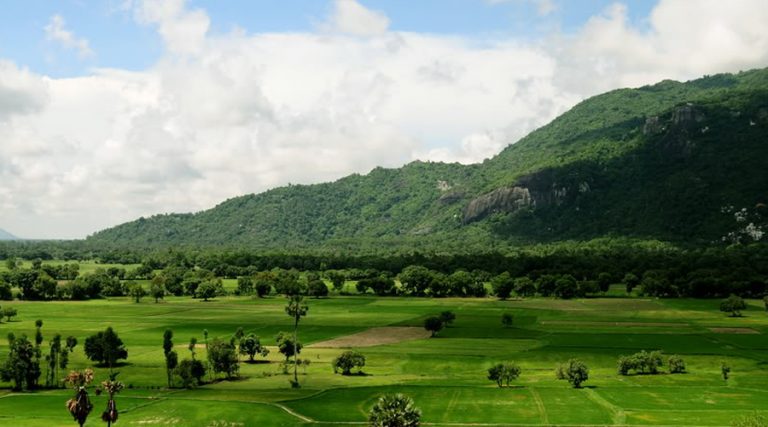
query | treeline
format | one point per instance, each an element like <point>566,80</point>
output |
<point>565,271</point>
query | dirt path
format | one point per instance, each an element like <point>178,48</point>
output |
<point>376,336</point>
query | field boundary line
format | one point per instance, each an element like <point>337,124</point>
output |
<point>292,412</point>
<point>540,405</point>
<point>617,414</point>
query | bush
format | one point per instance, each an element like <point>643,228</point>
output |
<point>733,304</point>
<point>676,365</point>
<point>642,362</point>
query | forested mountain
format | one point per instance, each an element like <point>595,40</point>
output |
<point>683,162</point>
<point>4,235</point>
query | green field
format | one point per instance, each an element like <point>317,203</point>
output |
<point>444,375</point>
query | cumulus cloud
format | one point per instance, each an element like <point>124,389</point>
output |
<point>220,115</point>
<point>21,92</point>
<point>350,17</point>
<point>56,31</point>
<point>182,30</point>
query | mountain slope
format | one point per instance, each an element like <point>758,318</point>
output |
<point>4,235</point>
<point>662,161</point>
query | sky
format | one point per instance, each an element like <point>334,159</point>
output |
<point>115,109</point>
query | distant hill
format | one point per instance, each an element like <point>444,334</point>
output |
<point>672,161</point>
<point>4,235</point>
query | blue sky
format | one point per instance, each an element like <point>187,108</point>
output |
<point>161,106</point>
<point>118,41</point>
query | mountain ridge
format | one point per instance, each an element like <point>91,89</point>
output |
<point>630,162</point>
<point>4,235</point>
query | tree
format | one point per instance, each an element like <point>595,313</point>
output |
<point>296,309</point>
<point>433,324</point>
<point>733,304</point>
<point>524,286</point>
<point>348,360</point>
<point>416,279</point>
<point>765,301</point>
<point>192,345</point>
<point>287,346</point>
<point>222,358</point>
<point>209,289</point>
<point>9,313</point>
<point>22,366</point>
<point>263,282</point>
<point>502,285</point>
<point>80,405</point>
<point>136,291</point>
<point>503,373</point>
<point>105,348</point>
<point>251,345</point>
<point>630,280</point>
<point>394,410</point>
<point>171,358</point>
<point>676,364</point>
<point>111,387</point>
<point>337,279</point>
<point>6,294</point>
<point>507,319</point>
<point>190,372</point>
<point>604,281</point>
<point>447,317</point>
<point>317,288</point>
<point>244,286</point>
<point>157,291</point>
<point>574,371</point>
<point>53,359</point>
<point>725,370</point>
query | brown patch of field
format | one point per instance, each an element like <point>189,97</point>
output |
<point>376,336</point>
<point>598,323</point>
<point>733,330</point>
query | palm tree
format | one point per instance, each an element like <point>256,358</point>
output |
<point>296,308</point>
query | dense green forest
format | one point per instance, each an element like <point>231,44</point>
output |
<point>676,162</point>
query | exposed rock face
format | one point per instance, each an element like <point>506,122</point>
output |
<point>652,126</point>
<point>505,199</point>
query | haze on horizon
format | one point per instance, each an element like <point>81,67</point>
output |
<point>120,109</point>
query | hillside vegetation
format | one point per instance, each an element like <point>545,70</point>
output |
<point>673,161</point>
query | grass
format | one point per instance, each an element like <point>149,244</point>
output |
<point>444,375</point>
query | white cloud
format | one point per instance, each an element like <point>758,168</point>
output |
<point>21,92</point>
<point>182,30</point>
<point>56,31</point>
<point>543,7</point>
<point>228,114</point>
<point>350,17</point>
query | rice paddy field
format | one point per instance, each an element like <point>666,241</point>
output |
<point>445,375</point>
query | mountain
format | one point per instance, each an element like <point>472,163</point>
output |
<point>4,235</point>
<point>672,161</point>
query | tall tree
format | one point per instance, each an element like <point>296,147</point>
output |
<point>171,358</point>
<point>296,309</point>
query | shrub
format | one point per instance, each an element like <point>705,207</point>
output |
<point>676,364</point>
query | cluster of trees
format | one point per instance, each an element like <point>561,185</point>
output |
<point>23,366</point>
<point>645,362</point>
